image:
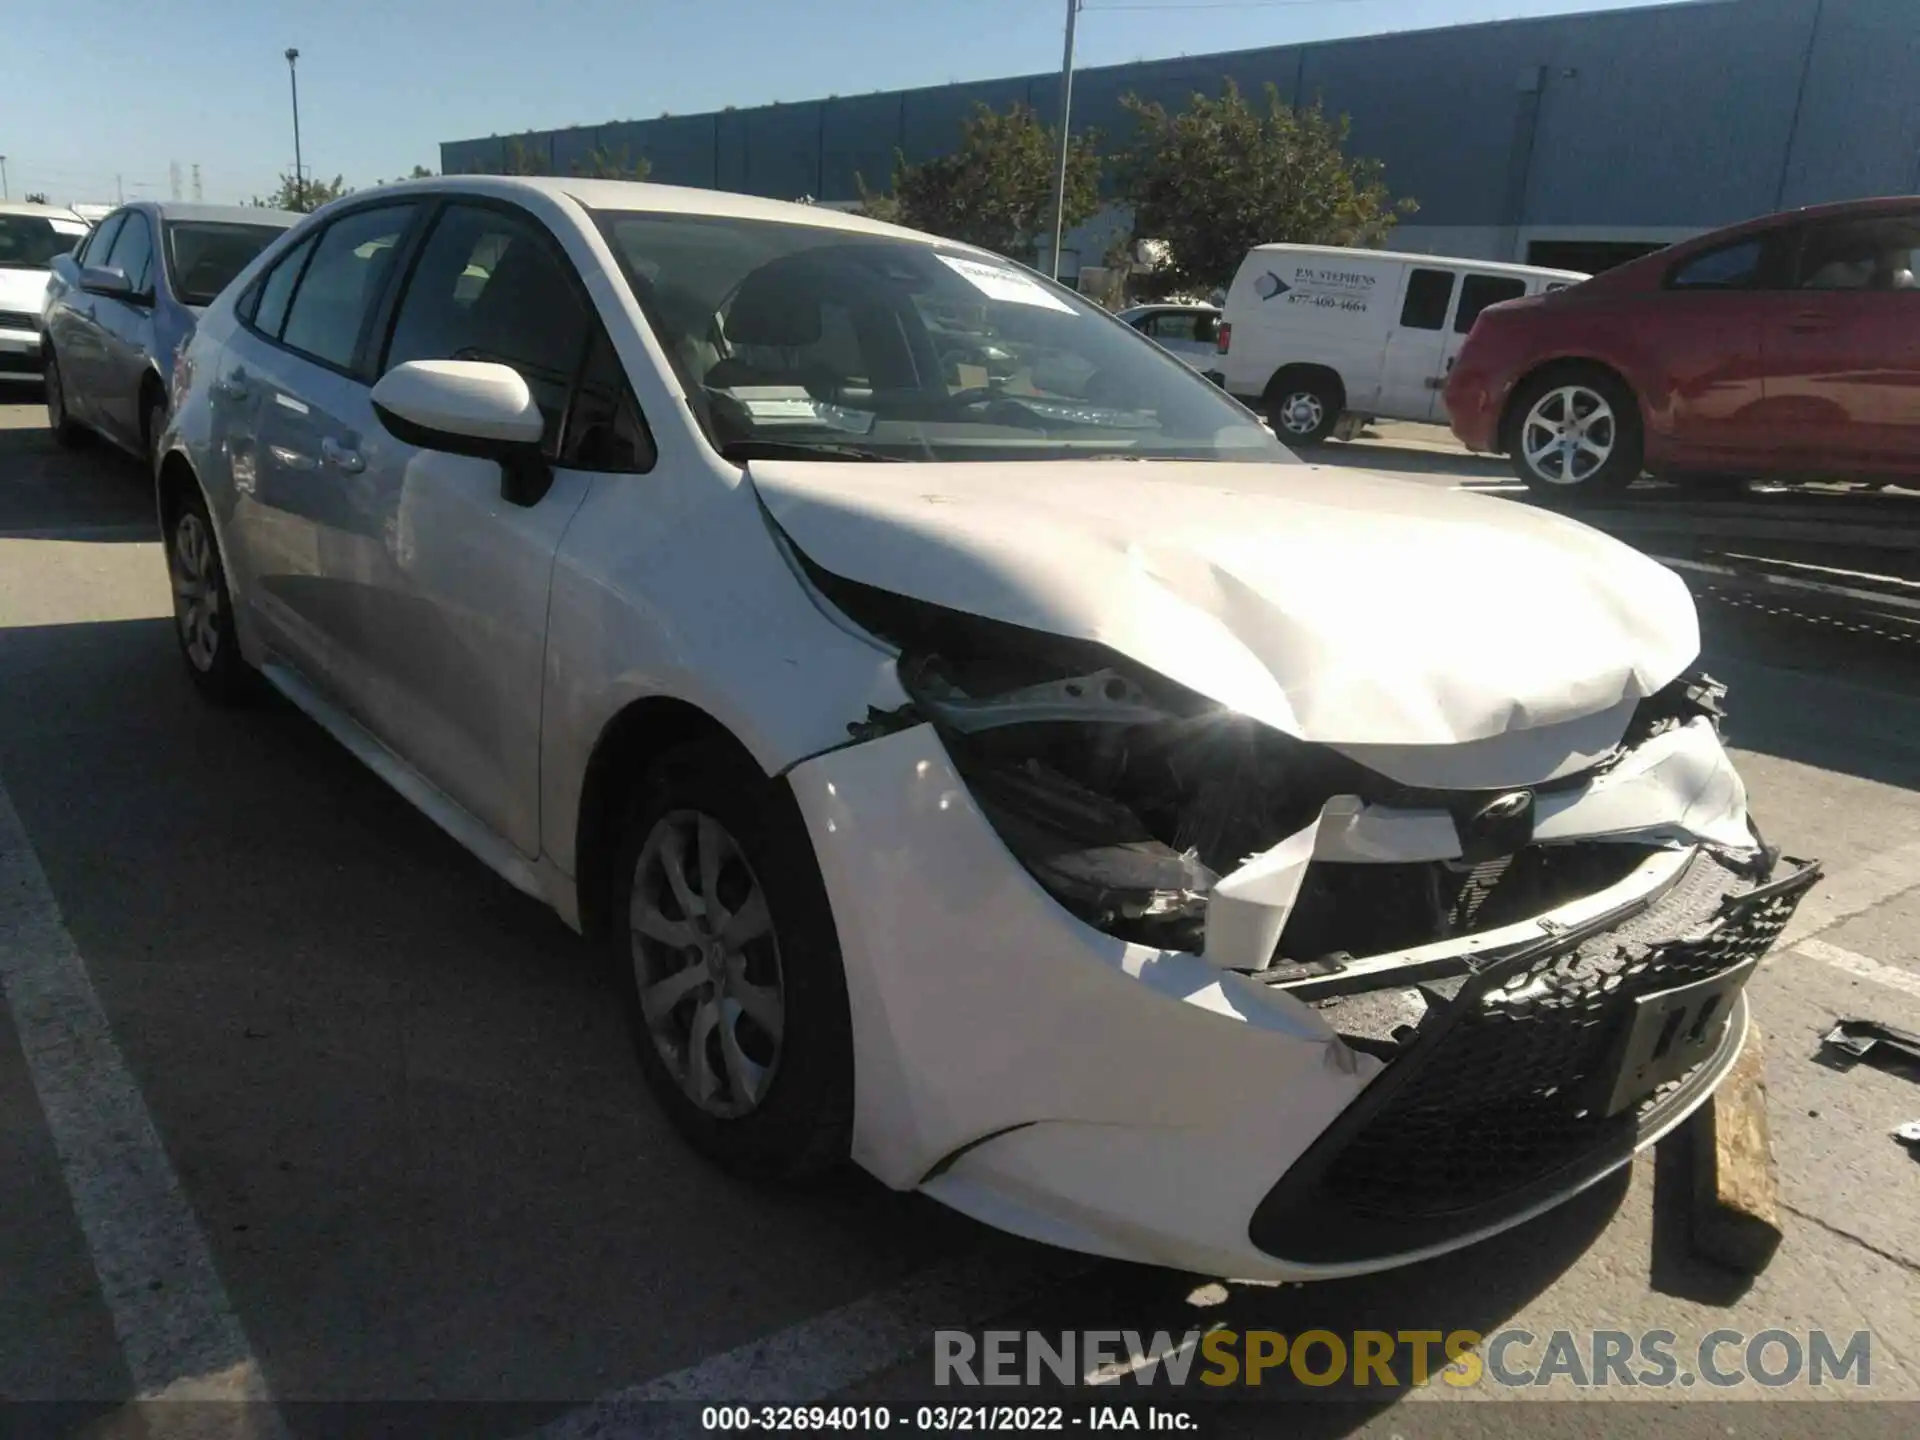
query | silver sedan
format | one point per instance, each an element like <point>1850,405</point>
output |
<point>119,307</point>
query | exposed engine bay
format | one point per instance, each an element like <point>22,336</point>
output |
<point>1130,799</point>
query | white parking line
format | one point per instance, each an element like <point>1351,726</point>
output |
<point>1850,892</point>
<point>1867,968</point>
<point>177,1329</point>
<point>817,1358</point>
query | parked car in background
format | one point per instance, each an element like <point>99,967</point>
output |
<point>945,795</point>
<point>120,306</point>
<point>1312,332</point>
<point>1787,346</point>
<point>31,238</point>
<point>1189,331</point>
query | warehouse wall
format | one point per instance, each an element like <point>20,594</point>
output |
<point>1659,121</point>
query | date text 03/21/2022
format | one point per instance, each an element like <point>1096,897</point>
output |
<point>958,1419</point>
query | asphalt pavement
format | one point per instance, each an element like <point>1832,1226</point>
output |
<point>300,1106</point>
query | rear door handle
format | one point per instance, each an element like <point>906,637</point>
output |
<point>342,457</point>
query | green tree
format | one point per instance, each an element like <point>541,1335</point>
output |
<point>1223,175</point>
<point>309,194</point>
<point>996,190</point>
<point>596,164</point>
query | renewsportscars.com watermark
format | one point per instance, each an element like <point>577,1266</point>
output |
<point>1368,1359</point>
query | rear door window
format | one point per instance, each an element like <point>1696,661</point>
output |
<point>266,308</point>
<point>1477,292</point>
<point>1870,253</point>
<point>1429,293</point>
<point>341,282</point>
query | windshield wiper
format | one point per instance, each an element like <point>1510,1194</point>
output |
<point>761,449</point>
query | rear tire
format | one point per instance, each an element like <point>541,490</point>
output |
<point>1303,411</point>
<point>730,968</point>
<point>66,430</point>
<point>1575,434</point>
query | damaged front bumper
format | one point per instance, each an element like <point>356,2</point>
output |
<point>1326,1115</point>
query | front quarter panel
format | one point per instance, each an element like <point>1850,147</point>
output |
<point>671,584</point>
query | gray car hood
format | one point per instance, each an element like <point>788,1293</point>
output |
<point>1343,607</point>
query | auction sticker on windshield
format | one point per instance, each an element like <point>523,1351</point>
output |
<point>999,284</point>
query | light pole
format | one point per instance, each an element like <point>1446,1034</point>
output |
<point>4,195</point>
<point>1066,115</point>
<point>299,175</point>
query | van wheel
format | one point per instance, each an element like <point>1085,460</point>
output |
<point>1303,411</point>
<point>1575,432</point>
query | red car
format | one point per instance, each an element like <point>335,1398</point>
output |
<point>1785,347</point>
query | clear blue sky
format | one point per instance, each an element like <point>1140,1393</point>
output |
<point>102,88</point>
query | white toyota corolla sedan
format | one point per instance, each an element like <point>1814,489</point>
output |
<point>1031,782</point>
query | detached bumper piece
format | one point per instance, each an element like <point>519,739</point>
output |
<point>1537,1071</point>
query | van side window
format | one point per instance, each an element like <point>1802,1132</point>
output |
<point>1479,291</point>
<point>1429,292</point>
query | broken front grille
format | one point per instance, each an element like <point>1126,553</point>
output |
<point>1499,1098</point>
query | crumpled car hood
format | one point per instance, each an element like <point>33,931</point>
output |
<point>1342,607</point>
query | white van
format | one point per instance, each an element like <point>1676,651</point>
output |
<point>1312,332</point>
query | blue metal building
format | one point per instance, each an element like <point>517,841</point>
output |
<point>1567,139</point>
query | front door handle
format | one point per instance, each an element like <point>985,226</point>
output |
<point>342,457</point>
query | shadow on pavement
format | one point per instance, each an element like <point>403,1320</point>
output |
<point>399,1095</point>
<point>93,492</point>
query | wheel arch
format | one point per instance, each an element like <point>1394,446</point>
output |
<point>1296,371</point>
<point>152,387</point>
<point>627,745</point>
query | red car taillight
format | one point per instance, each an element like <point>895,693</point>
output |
<point>1224,338</point>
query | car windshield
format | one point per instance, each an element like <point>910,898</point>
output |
<point>29,242</point>
<point>801,338</point>
<point>203,256</point>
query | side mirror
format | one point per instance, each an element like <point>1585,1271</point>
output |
<point>106,280</point>
<point>469,407</point>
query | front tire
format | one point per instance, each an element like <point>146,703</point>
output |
<point>1303,411</point>
<point>66,430</point>
<point>1575,433</point>
<point>725,951</point>
<point>203,606</point>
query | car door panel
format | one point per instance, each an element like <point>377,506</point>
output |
<point>303,515</point>
<point>123,329</point>
<point>444,657</point>
<point>1843,353</point>
<point>76,338</point>
<point>1414,356</point>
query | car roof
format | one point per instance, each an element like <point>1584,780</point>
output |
<point>222,214</point>
<point>49,212</point>
<point>668,199</point>
<point>1491,267</point>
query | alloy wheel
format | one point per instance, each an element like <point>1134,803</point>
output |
<point>1568,435</point>
<point>1302,413</point>
<point>707,964</point>
<point>196,591</point>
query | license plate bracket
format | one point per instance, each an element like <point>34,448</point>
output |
<point>1671,1032</point>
